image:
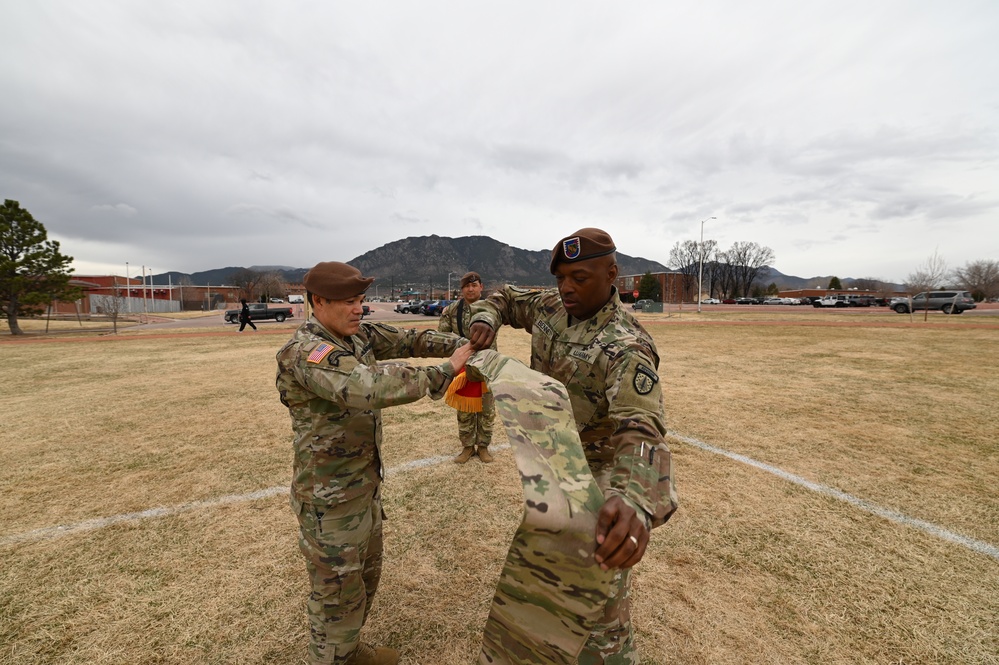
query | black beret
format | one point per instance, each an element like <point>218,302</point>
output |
<point>582,245</point>
<point>470,277</point>
<point>336,281</point>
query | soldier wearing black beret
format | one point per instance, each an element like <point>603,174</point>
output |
<point>583,337</point>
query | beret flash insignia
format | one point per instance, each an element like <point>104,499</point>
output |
<point>571,248</point>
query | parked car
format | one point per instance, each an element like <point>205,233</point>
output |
<point>276,300</point>
<point>639,304</point>
<point>860,301</point>
<point>711,301</point>
<point>728,301</point>
<point>258,312</point>
<point>745,301</point>
<point>840,300</point>
<point>408,307</point>
<point>773,301</point>
<point>948,302</point>
<point>435,307</point>
<point>365,310</point>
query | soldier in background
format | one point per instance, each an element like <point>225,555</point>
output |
<point>334,387</point>
<point>582,336</point>
<point>475,430</point>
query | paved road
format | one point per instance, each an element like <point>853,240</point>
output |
<point>383,311</point>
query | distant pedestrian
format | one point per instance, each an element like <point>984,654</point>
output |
<point>244,316</point>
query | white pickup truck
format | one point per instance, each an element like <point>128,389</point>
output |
<point>409,307</point>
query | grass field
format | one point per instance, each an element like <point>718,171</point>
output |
<point>754,568</point>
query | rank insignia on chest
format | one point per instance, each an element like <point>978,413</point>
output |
<point>645,380</point>
<point>319,353</point>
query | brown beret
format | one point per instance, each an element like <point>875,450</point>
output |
<point>582,245</point>
<point>335,281</point>
<point>470,277</point>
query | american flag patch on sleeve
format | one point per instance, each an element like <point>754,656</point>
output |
<point>319,353</point>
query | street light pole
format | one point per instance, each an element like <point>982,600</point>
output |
<point>700,265</point>
<point>449,285</point>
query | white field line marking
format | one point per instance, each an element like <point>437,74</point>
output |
<point>928,527</point>
<point>50,532</point>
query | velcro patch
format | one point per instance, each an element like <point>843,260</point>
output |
<point>335,358</point>
<point>319,353</point>
<point>586,355</point>
<point>544,327</point>
<point>645,380</point>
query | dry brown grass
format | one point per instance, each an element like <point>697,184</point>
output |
<point>753,569</point>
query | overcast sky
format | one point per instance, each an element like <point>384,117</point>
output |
<point>852,138</point>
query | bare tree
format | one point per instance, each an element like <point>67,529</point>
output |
<point>750,262</point>
<point>926,277</point>
<point>272,285</point>
<point>248,283</point>
<point>979,277</point>
<point>725,273</point>
<point>113,304</point>
<point>684,258</point>
<point>189,295</point>
<point>868,284</point>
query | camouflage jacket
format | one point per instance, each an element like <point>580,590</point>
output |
<point>449,320</point>
<point>608,363</point>
<point>335,389</point>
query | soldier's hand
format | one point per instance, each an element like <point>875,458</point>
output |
<point>481,335</point>
<point>621,535</point>
<point>461,356</point>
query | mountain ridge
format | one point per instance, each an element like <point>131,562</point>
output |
<point>421,262</point>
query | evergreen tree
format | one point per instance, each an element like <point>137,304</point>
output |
<point>32,270</point>
<point>649,288</point>
<point>835,285</point>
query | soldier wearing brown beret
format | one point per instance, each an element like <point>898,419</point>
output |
<point>334,387</point>
<point>475,429</point>
<point>583,337</point>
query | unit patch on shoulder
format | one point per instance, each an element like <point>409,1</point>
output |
<point>334,359</point>
<point>645,380</point>
<point>319,353</point>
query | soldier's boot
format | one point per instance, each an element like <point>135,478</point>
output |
<point>484,454</point>
<point>365,654</point>
<point>465,455</point>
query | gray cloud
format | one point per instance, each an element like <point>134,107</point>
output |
<point>198,135</point>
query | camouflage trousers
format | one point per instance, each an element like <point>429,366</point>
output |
<point>612,641</point>
<point>476,429</point>
<point>342,546</point>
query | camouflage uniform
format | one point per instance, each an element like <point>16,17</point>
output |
<point>608,364</point>
<point>531,623</point>
<point>474,429</point>
<point>334,390</point>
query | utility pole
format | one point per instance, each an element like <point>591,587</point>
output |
<point>700,265</point>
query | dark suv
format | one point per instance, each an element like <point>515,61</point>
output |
<point>949,302</point>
